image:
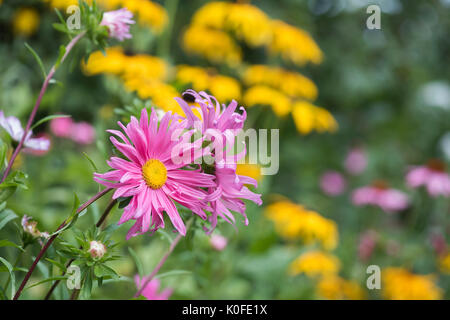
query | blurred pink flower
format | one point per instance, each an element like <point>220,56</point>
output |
<point>432,176</point>
<point>151,289</point>
<point>14,128</point>
<point>44,137</point>
<point>61,127</point>
<point>379,194</point>
<point>218,242</point>
<point>367,243</point>
<point>82,133</point>
<point>438,243</point>
<point>333,183</point>
<point>356,161</point>
<point>118,22</point>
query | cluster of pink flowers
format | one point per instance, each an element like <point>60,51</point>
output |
<point>79,132</point>
<point>154,179</point>
<point>36,145</point>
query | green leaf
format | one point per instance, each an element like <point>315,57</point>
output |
<point>6,216</point>
<point>61,266</point>
<point>48,118</point>
<point>101,270</point>
<point>60,27</point>
<point>7,243</point>
<point>172,273</point>
<point>11,273</point>
<point>137,261</point>
<point>46,280</point>
<point>62,51</point>
<point>86,290</point>
<point>38,59</point>
<point>91,161</point>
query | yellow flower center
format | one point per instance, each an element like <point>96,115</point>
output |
<point>154,173</point>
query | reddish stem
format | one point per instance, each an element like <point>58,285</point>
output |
<point>37,104</point>
<point>162,261</point>
<point>52,238</point>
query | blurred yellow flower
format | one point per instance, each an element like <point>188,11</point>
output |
<point>294,44</point>
<point>61,4</point>
<point>315,263</point>
<point>222,87</point>
<point>148,13</point>
<point>25,21</point>
<point>400,284</point>
<point>249,170</point>
<point>333,287</point>
<point>214,45</point>
<point>444,263</point>
<point>293,221</point>
<point>264,95</point>
<point>245,21</point>
<point>290,83</point>
<point>113,62</point>
<point>308,117</point>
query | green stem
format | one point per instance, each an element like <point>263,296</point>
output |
<point>164,40</point>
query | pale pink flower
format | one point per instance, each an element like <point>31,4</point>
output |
<point>432,176</point>
<point>151,289</point>
<point>221,121</point>
<point>118,22</point>
<point>96,249</point>
<point>13,127</point>
<point>333,183</point>
<point>367,243</point>
<point>151,177</point>
<point>82,133</point>
<point>218,242</point>
<point>380,195</point>
<point>61,127</point>
<point>356,161</point>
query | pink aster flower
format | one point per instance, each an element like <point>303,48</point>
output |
<point>82,133</point>
<point>333,183</point>
<point>222,123</point>
<point>14,128</point>
<point>218,242</point>
<point>379,194</point>
<point>432,176</point>
<point>151,289</point>
<point>356,161</point>
<point>150,176</point>
<point>118,22</point>
<point>61,127</point>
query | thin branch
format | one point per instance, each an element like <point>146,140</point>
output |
<point>52,238</point>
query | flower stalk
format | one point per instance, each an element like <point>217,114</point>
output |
<point>44,87</point>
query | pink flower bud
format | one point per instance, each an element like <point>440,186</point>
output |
<point>97,249</point>
<point>118,22</point>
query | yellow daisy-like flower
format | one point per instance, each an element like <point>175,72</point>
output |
<point>249,170</point>
<point>400,284</point>
<point>214,45</point>
<point>245,21</point>
<point>308,117</point>
<point>294,44</point>
<point>148,13</point>
<point>145,66</point>
<point>113,62</point>
<point>290,83</point>
<point>333,287</point>
<point>264,95</point>
<point>224,88</point>
<point>25,21</point>
<point>293,221</point>
<point>315,263</point>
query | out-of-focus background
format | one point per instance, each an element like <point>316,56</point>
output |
<point>356,108</point>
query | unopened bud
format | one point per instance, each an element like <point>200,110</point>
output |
<point>97,249</point>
